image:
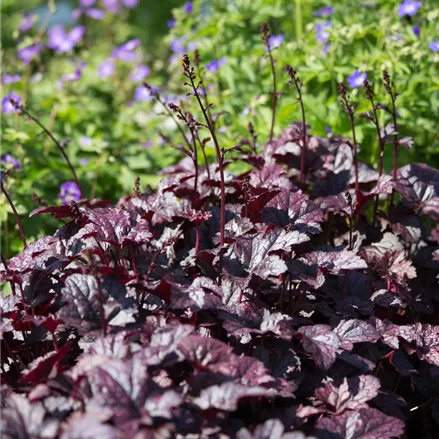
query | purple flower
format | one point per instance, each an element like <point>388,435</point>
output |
<point>85,141</point>
<point>322,31</point>
<point>7,159</point>
<point>27,22</point>
<point>326,48</point>
<point>10,79</point>
<point>95,13</point>
<point>69,191</point>
<point>396,37</point>
<point>86,3</point>
<point>408,7</point>
<point>147,145</point>
<point>275,41</point>
<point>356,79</point>
<point>188,7</point>
<point>111,6</point>
<point>143,94</point>
<point>126,52</point>
<point>63,42</point>
<point>72,77</point>
<point>26,54</point>
<point>139,73</point>
<point>323,12</point>
<point>83,161</point>
<point>177,45</point>
<point>130,3</point>
<point>106,69</point>
<point>11,103</point>
<point>416,30</point>
<point>171,23</point>
<point>434,46</point>
<point>214,65</point>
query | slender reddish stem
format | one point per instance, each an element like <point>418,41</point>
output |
<point>219,159</point>
<point>17,217</point>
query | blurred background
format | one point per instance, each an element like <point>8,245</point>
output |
<point>78,68</point>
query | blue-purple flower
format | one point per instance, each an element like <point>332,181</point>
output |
<point>69,191</point>
<point>26,54</point>
<point>27,22</point>
<point>356,79</point>
<point>188,7</point>
<point>111,6</point>
<point>11,79</point>
<point>85,141</point>
<point>416,30</point>
<point>85,7</point>
<point>434,46</point>
<point>130,3</point>
<point>72,77</point>
<point>322,31</point>
<point>106,68</point>
<point>83,161</point>
<point>7,159</point>
<point>275,41</point>
<point>139,73</point>
<point>408,7</point>
<point>179,47</point>
<point>323,12</point>
<point>127,51</point>
<point>143,94</point>
<point>62,41</point>
<point>11,103</point>
<point>171,23</point>
<point>213,66</point>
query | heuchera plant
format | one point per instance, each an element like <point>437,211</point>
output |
<point>296,300</point>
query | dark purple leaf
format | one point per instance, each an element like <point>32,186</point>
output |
<point>253,251</point>
<point>355,331</point>
<point>86,298</point>
<point>22,420</point>
<point>352,394</point>
<point>365,423</point>
<point>88,426</point>
<point>419,185</point>
<point>321,343</point>
<point>334,260</point>
<point>227,396</point>
<point>293,208</point>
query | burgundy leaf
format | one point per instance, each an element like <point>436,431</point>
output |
<point>293,208</point>
<point>227,396</point>
<point>321,343</point>
<point>22,419</point>
<point>253,251</point>
<point>355,331</point>
<point>365,423</point>
<point>334,260</point>
<point>85,300</point>
<point>352,394</point>
<point>419,185</point>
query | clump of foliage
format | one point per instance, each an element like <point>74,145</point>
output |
<point>79,71</point>
<point>296,299</point>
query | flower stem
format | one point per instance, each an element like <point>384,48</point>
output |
<point>189,73</point>
<point>17,217</point>
<point>265,33</point>
<point>294,79</point>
